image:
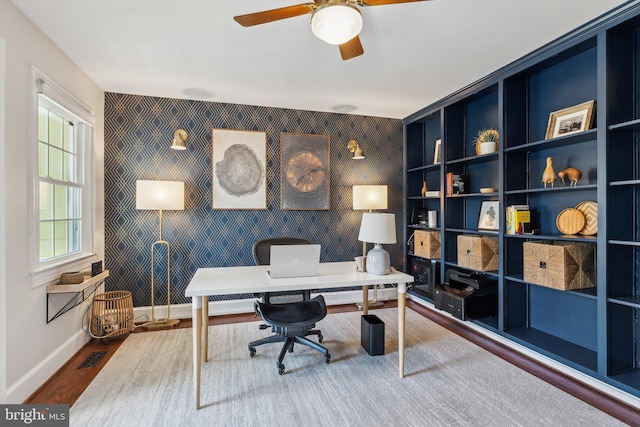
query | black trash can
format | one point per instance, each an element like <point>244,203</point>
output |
<point>372,334</point>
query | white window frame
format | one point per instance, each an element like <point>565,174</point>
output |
<point>44,272</point>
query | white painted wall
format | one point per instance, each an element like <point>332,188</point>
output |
<point>3,268</point>
<point>30,349</point>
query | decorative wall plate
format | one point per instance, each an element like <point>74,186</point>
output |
<point>590,211</point>
<point>570,221</point>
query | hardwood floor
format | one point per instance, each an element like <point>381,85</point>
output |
<point>68,383</point>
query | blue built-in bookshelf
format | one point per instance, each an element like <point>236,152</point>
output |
<point>594,329</point>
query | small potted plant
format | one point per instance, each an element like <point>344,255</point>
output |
<point>486,141</point>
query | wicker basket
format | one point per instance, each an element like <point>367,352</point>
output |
<point>111,314</point>
<point>72,278</point>
<point>478,252</point>
<point>426,244</point>
<point>560,265</point>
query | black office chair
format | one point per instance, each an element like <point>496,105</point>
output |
<point>291,315</point>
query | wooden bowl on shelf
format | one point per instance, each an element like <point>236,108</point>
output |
<point>488,190</point>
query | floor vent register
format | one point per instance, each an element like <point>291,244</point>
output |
<point>93,360</point>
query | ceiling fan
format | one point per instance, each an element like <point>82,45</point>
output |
<point>336,22</point>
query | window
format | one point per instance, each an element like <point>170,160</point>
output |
<point>60,189</point>
<point>62,226</point>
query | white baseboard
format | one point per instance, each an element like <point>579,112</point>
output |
<point>39,374</point>
<point>184,311</point>
<point>580,376</point>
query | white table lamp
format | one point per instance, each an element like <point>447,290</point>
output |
<point>379,228</point>
<point>160,195</point>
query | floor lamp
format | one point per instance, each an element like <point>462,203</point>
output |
<point>369,198</point>
<point>160,195</point>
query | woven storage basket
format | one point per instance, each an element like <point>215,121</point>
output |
<point>426,244</point>
<point>478,252</point>
<point>72,278</point>
<point>560,265</point>
<point>111,314</point>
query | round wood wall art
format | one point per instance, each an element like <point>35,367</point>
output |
<point>590,211</point>
<point>570,221</point>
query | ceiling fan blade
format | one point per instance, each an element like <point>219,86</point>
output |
<point>274,14</point>
<point>351,49</point>
<point>383,2</point>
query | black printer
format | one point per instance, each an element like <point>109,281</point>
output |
<point>467,295</point>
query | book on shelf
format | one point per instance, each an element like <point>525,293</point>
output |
<point>518,219</point>
<point>455,184</point>
<point>433,193</point>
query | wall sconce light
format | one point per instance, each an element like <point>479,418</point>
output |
<point>179,137</point>
<point>356,151</point>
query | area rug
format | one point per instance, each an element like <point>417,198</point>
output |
<point>448,382</point>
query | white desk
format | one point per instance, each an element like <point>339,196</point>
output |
<point>255,279</point>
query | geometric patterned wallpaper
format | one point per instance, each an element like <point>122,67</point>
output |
<point>138,134</point>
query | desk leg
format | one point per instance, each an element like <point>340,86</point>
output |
<point>205,329</point>
<point>401,307</point>
<point>197,347</point>
<point>365,299</point>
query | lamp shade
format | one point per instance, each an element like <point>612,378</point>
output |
<point>370,197</point>
<point>336,23</point>
<point>378,228</point>
<point>156,195</point>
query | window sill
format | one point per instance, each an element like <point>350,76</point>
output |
<point>51,273</point>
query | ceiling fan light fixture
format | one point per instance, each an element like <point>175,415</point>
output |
<point>336,23</point>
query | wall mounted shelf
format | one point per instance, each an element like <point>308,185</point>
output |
<point>80,292</point>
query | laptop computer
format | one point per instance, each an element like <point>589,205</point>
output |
<point>294,261</point>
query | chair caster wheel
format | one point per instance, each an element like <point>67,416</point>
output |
<point>327,358</point>
<point>281,369</point>
<point>252,352</point>
<point>320,338</point>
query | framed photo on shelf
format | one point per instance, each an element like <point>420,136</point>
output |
<point>489,215</point>
<point>570,120</point>
<point>437,152</point>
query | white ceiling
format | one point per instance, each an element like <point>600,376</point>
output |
<point>415,53</point>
